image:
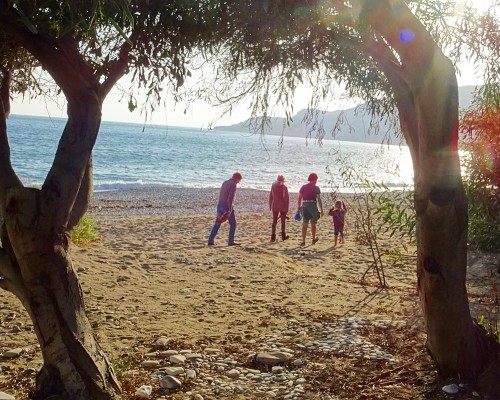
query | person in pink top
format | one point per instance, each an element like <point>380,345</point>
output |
<point>338,216</point>
<point>309,200</point>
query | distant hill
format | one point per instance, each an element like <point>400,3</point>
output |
<point>352,124</point>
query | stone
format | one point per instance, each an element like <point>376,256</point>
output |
<point>177,359</point>
<point>173,371</point>
<point>169,352</point>
<point>298,363</point>
<point>451,389</point>
<point>277,369</point>
<point>170,382</point>
<point>144,391</point>
<point>272,358</point>
<point>28,371</point>
<point>193,357</point>
<point>210,350</point>
<point>6,396</point>
<point>190,374</point>
<point>233,374</point>
<point>150,363</point>
<point>13,353</point>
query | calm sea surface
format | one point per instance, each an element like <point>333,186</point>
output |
<point>135,155</point>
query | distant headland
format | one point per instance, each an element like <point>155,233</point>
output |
<point>351,124</point>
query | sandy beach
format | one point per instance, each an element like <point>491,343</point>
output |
<point>154,289</point>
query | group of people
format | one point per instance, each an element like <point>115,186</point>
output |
<point>309,209</point>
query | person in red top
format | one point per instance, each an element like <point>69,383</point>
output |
<point>338,215</point>
<point>278,204</point>
<point>309,199</point>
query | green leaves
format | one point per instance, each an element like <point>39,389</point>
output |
<point>480,129</point>
<point>84,233</point>
<point>379,214</point>
<point>396,213</point>
<point>123,6</point>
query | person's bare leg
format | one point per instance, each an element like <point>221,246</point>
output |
<point>313,230</point>
<point>304,231</point>
<point>335,242</point>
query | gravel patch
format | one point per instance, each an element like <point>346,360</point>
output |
<point>174,201</point>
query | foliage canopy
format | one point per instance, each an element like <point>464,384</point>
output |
<point>262,50</point>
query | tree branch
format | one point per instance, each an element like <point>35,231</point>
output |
<point>118,68</point>
<point>8,177</point>
<point>83,198</point>
<point>380,52</point>
<point>405,34</point>
<point>59,57</point>
<point>63,183</point>
<point>428,74</point>
<point>4,91</point>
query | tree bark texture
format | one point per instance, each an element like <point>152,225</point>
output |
<point>74,365</point>
<point>426,91</point>
<point>35,261</point>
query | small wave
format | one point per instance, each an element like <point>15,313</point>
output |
<point>117,185</point>
<point>123,185</point>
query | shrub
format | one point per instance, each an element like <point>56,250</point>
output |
<point>376,209</point>
<point>84,233</point>
<point>484,218</point>
<point>481,138</point>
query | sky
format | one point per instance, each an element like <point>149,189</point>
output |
<point>200,114</point>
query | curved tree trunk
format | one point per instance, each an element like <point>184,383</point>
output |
<point>74,365</point>
<point>35,261</point>
<point>426,91</point>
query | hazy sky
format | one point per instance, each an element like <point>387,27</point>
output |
<point>200,115</point>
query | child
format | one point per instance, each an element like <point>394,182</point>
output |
<point>338,215</point>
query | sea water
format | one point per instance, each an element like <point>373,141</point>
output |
<point>135,155</point>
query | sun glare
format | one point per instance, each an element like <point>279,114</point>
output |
<point>481,5</point>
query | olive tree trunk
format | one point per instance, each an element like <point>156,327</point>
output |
<point>35,262</point>
<point>426,91</point>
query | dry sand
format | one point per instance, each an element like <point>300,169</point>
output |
<point>152,275</point>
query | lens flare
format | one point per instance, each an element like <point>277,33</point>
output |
<point>406,35</point>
